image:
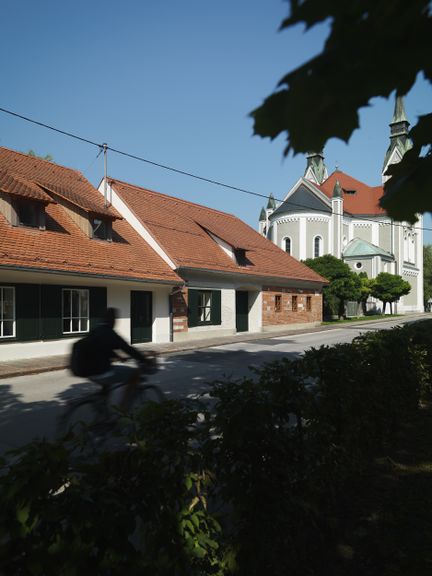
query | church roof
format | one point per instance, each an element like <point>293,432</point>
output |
<point>358,197</point>
<point>358,247</point>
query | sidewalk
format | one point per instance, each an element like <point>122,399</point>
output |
<point>50,363</point>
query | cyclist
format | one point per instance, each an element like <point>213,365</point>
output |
<point>92,357</point>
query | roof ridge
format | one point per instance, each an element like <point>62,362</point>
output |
<point>175,198</point>
<point>50,162</point>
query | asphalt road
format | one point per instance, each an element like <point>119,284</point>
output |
<point>30,405</point>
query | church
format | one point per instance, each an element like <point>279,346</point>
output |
<point>340,215</point>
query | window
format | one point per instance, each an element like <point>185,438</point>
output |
<point>75,310</point>
<point>358,265</point>
<point>28,213</point>
<point>287,245</point>
<point>101,229</point>
<point>278,302</point>
<point>317,246</point>
<point>7,312</point>
<point>204,307</point>
<point>240,256</point>
<point>308,303</point>
<point>294,304</point>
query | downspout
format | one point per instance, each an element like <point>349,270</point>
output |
<point>175,290</point>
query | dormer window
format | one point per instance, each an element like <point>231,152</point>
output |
<point>101,228</point>
<point>240,256</point>
<point>350,192</point>
<point>29,213</point>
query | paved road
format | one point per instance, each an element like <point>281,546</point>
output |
<point>30,405</point>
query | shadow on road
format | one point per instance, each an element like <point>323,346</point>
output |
<point>183,375</point>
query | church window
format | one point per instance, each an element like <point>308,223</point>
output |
<point>287,245</point>
<point>317,246</point>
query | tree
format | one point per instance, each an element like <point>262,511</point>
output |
<point>46,157</point>
<point>389,288</point>
<point>427,274</point>
<point>374,47</point>
<point>366,286</point>
<point>344,283</point>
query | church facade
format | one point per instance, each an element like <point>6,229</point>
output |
<point>340,215</point>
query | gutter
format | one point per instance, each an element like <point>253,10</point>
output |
<point>86,275</point>
<point>261,279</point>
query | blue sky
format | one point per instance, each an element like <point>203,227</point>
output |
<point>173,82</point>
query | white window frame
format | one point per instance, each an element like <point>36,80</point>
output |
<point>204,306</point>
<point>83,292</point>
<point>320,246</point>
<point>284,240</point>
<point>2,318</point>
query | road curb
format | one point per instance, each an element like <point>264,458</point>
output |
<point>167,350</point>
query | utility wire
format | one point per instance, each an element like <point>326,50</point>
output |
<point>192,175</point>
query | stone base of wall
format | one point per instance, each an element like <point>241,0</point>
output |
<point>277,307</point>
<point>203,336</point>
<point>180,311</point>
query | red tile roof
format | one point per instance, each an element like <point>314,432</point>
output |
<point>364,201</point>
<point>18,186</point>
<point>182,229</point>
<point>63,247</point>
<point>66,182</point>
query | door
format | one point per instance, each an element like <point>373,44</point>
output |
<point>242,311</point>
<point>141,316</point>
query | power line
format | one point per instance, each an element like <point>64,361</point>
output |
<point>190,174</point>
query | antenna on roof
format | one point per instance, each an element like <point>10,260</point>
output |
<point>104,148</point>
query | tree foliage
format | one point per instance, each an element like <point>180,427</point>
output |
<point>366,286</point>
<point>427,273</point>
<point>389,288</point>
<point>46,157</point>
<point>374,47</point>
<point>344,283</point>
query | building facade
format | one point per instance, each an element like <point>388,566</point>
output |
<point>340,215</point>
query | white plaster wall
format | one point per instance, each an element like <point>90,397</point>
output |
<point>255,311</point>
<point>161,319</point>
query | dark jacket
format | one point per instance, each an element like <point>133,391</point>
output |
<point>103,341</point>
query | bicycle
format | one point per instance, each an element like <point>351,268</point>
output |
<point>95,416</point>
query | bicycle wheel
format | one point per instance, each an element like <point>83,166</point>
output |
<point>83,416</point>
<point>147,393</point>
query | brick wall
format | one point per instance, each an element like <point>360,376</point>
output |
<point>180,311</point>
<point>286,315</point>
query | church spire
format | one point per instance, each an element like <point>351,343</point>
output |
<point>399,139</point>
<point>316,170</point>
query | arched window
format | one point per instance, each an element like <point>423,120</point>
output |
<point>286,245</point>
<point>317,246</point>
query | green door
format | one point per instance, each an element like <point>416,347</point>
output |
<point>242,311</point>
<point>141,316</point>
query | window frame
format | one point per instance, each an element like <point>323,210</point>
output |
<point>204,307</point>
<point>2,319</point>
<point>294,303</point>
<point>80,317</point>
<point>308,303</point>
<point>320,246</point>
<point>284,245</point>
<point>278,303</point>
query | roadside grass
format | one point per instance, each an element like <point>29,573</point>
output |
<point>387,512</point>
<point>361,319</point>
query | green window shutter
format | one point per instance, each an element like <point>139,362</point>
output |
<point>193,298</point>
<point>51,311</point>
<point>98,305</point>
<point>216,317</point>
<point>27,309</point>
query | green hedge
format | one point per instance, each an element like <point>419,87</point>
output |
<point>254,482</point>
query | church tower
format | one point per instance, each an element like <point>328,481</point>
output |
<point>316,170</point>
<point>399,139</point>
